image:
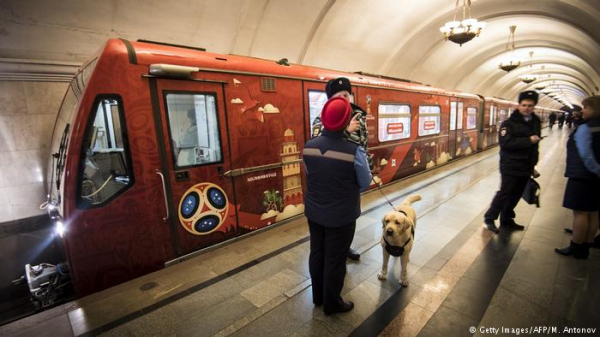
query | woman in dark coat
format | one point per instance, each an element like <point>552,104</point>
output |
<point>583,171</point>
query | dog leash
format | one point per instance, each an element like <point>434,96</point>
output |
<point>380,190</point>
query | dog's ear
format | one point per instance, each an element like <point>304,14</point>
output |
<point>408,223</point>
<point>383,222</point>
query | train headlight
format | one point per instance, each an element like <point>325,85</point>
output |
<point>60,228</point>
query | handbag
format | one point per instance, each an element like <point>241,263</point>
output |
<point>532,191</point>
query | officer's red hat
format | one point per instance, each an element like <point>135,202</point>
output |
<point>336,114</point>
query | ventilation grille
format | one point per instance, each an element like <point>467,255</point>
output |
<point>267,84</point>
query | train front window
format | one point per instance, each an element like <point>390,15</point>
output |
<point>394,121</point>
<point>429,120</point>
<point>60,139</point>
<point>106,168</point>
<point>60,135</point>
<point>194,129</point>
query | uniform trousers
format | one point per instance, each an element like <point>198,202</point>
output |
<point>327,262</point>
<point>506,199</point>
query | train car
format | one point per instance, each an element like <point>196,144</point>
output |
<point>160,151</point>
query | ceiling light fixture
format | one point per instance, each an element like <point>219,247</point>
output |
<point>528,78</point>
<point>462,31</point>
<point>512,62</point>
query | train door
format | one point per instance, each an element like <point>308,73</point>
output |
<point>455,127</point>
<point>199,198</point>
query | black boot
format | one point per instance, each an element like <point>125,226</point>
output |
<point>596,243</point>
<point>489,223</point>
<point>584,252</point>
<point>513,226</point>
<point>353,254</point>
<point>345,307</point>
<point>577,250</point>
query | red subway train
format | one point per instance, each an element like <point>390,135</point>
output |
<point>160,151</point>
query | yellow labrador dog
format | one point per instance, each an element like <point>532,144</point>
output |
<point>398,236</point>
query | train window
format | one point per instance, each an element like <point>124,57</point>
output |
<point>429,120</point>
<point>471,118</point>
<point>493,115</point>
<point>452,116</point>
<point>105,165</point>
<point>456,122</point>
<point>459,120</point>
<point>316,101</point>
<point>194,128</point>
<point>502,116</point>
<point>394,122</point>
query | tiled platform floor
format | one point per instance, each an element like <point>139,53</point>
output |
<point>462,276</point>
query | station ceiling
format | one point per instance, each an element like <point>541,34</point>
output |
<point>398,38</point>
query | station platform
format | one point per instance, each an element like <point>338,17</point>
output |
<point>464,279</point>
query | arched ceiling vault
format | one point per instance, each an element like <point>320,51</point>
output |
<point>398,38</point>
<point>481,58</point>
<point>515,75</point>
<point>484,74</point>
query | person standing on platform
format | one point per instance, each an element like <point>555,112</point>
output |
<point>551,119</point>
<point>569,120</point>
<point>336,171</point>
<point>561,120</point>
<point>519,138</point>
<point>583,170</point>
<point>355,132</point>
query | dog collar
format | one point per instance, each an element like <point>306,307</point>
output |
<point>397,250</point>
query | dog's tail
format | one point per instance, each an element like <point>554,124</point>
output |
<point>410,199</point>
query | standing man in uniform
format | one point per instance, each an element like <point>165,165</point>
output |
<point>356,131</point>
<point>336,172</point>
<point>520,135</point>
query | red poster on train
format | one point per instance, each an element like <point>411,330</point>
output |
<point>395,128</point>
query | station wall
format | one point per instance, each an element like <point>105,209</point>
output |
<point>27,114</point>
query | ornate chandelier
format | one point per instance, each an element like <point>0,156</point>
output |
<point>510,63</point>
<point>528,78</point>
<point>462,31</point>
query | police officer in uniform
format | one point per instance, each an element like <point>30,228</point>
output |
<point>520,135</point>
<point>336,172</point>
<point>355,132</point>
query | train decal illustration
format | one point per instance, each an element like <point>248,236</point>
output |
<point>203,208</point>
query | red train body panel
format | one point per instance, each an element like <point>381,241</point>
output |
<point>162,151</point>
